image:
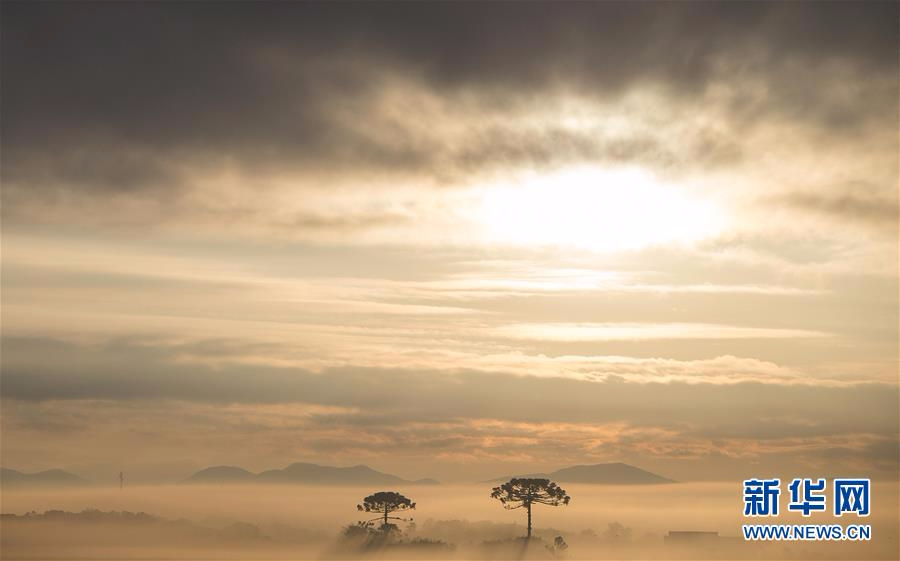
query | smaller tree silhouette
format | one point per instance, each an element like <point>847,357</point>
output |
<point>522,493</point>
<point>385,503</point>
<point>559,547</point>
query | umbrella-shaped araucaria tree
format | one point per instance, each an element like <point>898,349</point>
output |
<point>385,503</point>
<point>523,493</point>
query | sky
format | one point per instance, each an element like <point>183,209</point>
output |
<point>450,240</point>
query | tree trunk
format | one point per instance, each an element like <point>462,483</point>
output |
<point>528,506</point>
<point>385,517</point>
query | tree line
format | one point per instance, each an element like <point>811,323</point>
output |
<point>514,494</point>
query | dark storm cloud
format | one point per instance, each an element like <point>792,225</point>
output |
<point>117,97</point>
<point>45,369</point>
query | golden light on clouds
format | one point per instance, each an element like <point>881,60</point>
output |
<point>641,332</point>
<point>336,227</point>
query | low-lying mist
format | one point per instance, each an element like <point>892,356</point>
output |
<point>459,521</point>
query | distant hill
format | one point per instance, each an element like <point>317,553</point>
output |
<point>50,477</point>
<point>305,473</point>
<point>609,474</point>
<point>221,474</point>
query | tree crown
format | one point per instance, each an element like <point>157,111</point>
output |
<point>519,492</point>
<point>389,501</point>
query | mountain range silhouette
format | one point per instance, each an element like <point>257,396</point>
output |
<point>611,474</point>
<point>306,473</point>
<point>50,477</point>
<point>314,474</point>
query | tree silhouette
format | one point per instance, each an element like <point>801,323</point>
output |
<point>522,493</point>
<point>384,503</point>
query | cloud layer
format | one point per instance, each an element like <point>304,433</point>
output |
<point>450,238</point>
<point>233,113</point>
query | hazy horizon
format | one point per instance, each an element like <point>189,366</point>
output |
<point>450,240</point>
<point>416,479</point>
<point>463,515</point>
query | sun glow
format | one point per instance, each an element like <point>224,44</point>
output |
<point>596,209</point>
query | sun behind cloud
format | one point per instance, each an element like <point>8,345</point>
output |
<point>598,209</point>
